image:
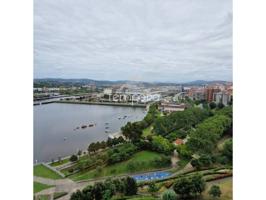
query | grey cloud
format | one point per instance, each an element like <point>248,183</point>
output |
<point>152,40</point>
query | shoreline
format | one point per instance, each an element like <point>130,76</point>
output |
<point>102,103</point>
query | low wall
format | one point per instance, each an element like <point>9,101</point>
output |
<point>102,103</point>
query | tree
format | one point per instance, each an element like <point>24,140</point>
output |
<point>183,151</point>
<point>182,187</point>
<point>228,150</point>
<point>98,190</point>
<point>198,184</point>
<point>152,188</point>
<point>130,186</point>
<point>215,191</point>
<point>77,195</point>
<point>169,195</point>
<point>88,193</point>
<point>73,158</point>
<point>189,186</point>
<point>202,161</point>
<point>92,147</point>
<point>103,145</point>
<point>109,142</point>
<point>132,131</point>
<point>79,152</point>
<point>212,105</point>
<point>220,105</point>
<point>162,145</point>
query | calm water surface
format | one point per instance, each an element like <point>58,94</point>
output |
<point>55,124</point>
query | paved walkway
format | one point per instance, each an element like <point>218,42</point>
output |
<point>69,186</point>
<point>61,185</point>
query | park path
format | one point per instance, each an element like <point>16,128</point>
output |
<point>69,186</point>
<point>60,185</point>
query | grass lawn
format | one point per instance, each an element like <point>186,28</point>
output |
<point>225,186</point>
<point>57,195</point>
<point>136,197</point>
<point>147,131</point>
<point>42,171</point>
<point>43,197</point>
<point>57,163</point>
<point>120,168</point>
<point>37,187</point>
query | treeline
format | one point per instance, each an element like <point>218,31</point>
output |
<point>179,121</point>
<point>156,143</point>
<point>206,135</point>
<point>121,153</point>
<point>105,190</point>
<point>93,147</point>
<point>133,131</point>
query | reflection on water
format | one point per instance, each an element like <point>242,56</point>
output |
<point>62,129</point>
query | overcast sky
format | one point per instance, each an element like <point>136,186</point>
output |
<point>146,40</point>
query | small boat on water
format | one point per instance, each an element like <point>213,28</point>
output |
<point>106,127</point>
<point>91,125</point>
<point>65,138</point>
<point>83,126</point>
<point>119,118</point>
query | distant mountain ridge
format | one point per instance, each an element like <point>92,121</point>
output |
<point>78,82</point>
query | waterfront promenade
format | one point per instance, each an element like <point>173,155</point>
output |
<point>103,103</point>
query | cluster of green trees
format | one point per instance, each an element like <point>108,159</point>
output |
<point>89,162</point>
<point>202,161</point>
<point>133,131</point>
<point>73,158</point>
<point>179,120</point>
<point>187,187</point>
<point>184,152</point>
<point>121,153</point>
<point>176,134</point>
<point>105,190</point>
<point>205,137</point>
<point>93,147</point>
<point>161,145</point>
<point>115,141</point>
<point>152,115</point>
<point>156,143</point>
<point>226,155</point>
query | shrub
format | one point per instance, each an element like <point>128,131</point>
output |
<point>73,158</point>
<point>215,191</point>
<point>169,195</point>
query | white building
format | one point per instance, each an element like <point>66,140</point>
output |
<point>108,91</point>
<point>221,97</point>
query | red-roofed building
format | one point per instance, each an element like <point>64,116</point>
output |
<point>178,141</point>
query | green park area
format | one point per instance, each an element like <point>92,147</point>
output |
<point>147,131</point>
<point>61,162</point>
<point>207,151</point>
<point>42,171</point>
<point>226,187</point>
<point>39,187</point>
<point>140,161</point>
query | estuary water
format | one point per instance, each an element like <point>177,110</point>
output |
<point>58,132</point>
